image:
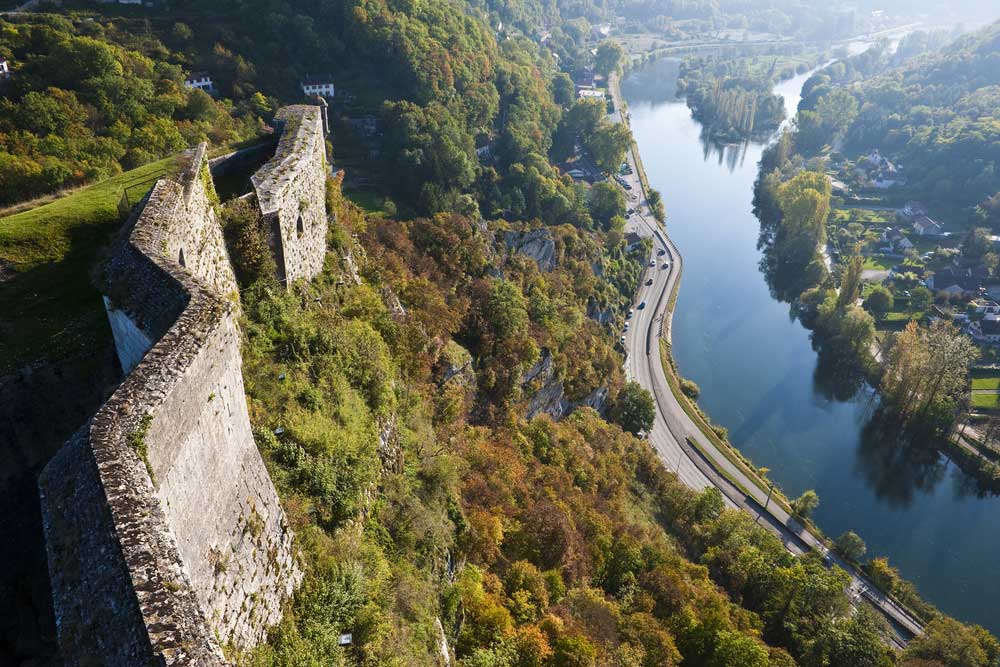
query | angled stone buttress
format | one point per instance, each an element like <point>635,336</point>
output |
<point>165,537</point>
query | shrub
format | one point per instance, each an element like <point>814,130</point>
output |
<point>690,388</point>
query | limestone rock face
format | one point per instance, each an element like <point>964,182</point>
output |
<point>546,394</point>
<point>537,244</point>
<point>603,316</point>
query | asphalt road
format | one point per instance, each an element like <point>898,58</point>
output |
<point>674,434</point>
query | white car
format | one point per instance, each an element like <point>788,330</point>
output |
<point>652,262</point>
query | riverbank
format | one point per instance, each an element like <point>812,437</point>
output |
<point>702,445</point>
<point>758,373</point>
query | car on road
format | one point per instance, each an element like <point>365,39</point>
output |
<point>661,252</point>
<point>630,211</point>
<point>665,265</point>
<point>642,305</point>
<point>652,263</point>
<point>649,282</point>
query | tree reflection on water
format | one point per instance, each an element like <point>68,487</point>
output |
<point>898,462</point>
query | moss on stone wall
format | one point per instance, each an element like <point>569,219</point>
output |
<point>137,440</point>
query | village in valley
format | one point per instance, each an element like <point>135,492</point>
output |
<point>920,264</point>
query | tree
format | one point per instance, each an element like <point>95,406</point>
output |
<point>837,110</point>
<point>854,642</point>
<point>563,90</point>
<point>733,648</point>
<point>850,282</point>
<point>428,153</point>
<point>948,643</point>
<point>690,388</point>
<point>920,299</point>
<point>810,135</point>
<point>634,409</point>
<point>574,651</point>
<point>585,117</point>
<point>608,146</point>
<point>609,58</point>
<point>883,575</point>
<point>805,504</point>
<point>655,201</point>
<point>851,546</point>
<point>605,202</point>
<point>926,373</point>
<point>977,243</point>
<point>880,301</point>
<point>805,204</point>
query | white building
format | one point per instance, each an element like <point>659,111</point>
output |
<point>321,85</point>
<point>201,81</point>
<point>4,69</point>
<point>590,93</point>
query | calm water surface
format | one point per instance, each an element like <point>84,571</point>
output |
<point>757,372</point>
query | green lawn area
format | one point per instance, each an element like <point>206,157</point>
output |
<point>867,217</point>
<point>899,316</point>
<point>986,401</point>
<point>986,382</point>
<point>50,307</point>
<point>880,263</point>
<point>367,199</point>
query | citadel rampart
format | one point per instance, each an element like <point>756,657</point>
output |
<point>286,194</point>
<point>165,536</point>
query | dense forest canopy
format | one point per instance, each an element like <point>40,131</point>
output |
<point>938,114</point>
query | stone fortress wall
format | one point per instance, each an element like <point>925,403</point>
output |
<point>165,537</point>
<point>286,193</point>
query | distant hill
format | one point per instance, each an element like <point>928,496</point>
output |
<point>939,116</point>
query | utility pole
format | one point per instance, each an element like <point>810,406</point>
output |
<point>770,490</point>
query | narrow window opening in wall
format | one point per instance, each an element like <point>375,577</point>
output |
<point>300,227</point>
<point>180,258</point>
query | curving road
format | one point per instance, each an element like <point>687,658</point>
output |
<point>680,443</point>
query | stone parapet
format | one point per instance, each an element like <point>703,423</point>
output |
<point>165,536</point>
<point>291,192</point>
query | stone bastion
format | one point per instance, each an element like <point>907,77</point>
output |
<point>165,537</point>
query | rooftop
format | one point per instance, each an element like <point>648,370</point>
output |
<point>317,80</point>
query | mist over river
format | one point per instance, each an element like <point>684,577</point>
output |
<point>758,372</point>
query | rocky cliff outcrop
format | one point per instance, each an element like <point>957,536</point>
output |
<point>546,394</point>
<point>537,244</point>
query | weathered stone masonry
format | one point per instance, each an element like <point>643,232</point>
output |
<point>165,536</point>
<point>292,198</point>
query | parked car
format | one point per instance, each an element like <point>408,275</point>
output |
<point>630,313</point>
<point>652,263</point>
<point>665,265</point>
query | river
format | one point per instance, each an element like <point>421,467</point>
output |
<point>758,372</point>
